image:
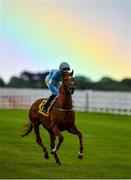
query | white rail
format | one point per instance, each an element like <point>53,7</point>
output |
<point>92,101</point>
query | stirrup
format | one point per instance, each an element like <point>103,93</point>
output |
<point>44,109</point>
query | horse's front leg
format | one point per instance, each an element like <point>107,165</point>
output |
<point>57,132</point>
<point>73,129</point>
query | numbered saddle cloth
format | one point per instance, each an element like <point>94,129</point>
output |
<point>48,110</point>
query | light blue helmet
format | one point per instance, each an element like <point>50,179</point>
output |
<point>64,66</point>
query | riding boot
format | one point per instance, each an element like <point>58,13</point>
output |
<point>46,105</point>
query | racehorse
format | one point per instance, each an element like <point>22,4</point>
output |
<point>61,117</point>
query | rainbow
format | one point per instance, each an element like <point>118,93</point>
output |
<point>38,35</point>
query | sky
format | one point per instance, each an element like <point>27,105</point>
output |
<point>93,36</point>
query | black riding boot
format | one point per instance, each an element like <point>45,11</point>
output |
<point>46,105</point>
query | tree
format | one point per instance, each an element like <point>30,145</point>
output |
<point>125,84</point>
<point>2,84</point>
<point>106,83</point>
<point>16,82</point>
<point>34,80</point>
<point>37,80</point>
<point>82,82</point>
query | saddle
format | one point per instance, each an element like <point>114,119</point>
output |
<point>48,110</point>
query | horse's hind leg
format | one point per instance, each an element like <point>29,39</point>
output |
<point>52,146</point>
<point>39,141</point>
<point>73,129</point>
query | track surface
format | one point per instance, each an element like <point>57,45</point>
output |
<point>107,148</point>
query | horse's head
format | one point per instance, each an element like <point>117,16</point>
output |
<point>68,83</point>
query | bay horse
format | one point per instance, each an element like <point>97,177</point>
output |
<point>61,117</point>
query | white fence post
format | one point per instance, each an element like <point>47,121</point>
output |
<point>87,99</point>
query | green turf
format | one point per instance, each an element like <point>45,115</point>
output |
<point>107,148</point>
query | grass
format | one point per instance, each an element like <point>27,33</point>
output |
<point>107,149</point>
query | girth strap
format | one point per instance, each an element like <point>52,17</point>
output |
<point>65,110</point>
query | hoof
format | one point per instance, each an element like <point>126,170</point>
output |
<point>53,150</point>
<point>46,156</point>
<point>80,155</point>
<point>58,162</point>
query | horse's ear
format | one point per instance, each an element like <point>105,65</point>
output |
<point>72,72</point>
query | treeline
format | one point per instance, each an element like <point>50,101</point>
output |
<point>36,80</point>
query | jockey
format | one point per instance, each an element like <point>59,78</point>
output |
<point>53,80</point>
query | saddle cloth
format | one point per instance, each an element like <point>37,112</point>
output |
<point>48,110</point>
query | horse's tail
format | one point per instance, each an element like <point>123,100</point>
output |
<point>28,129</point>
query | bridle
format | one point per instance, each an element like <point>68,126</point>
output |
<point>68,85</point>
<point>68,89</point>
